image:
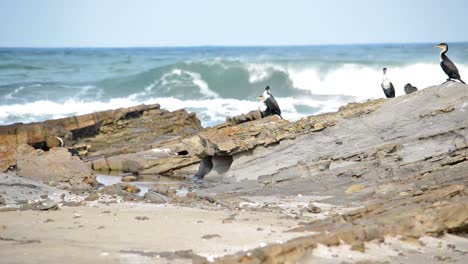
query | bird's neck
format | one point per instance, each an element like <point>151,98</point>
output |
<point>442,54</point>
<point>384,78</point>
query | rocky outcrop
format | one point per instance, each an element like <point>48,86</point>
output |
<point>106,133</point>
<point>56,165</point>
<point>404,164</point>
<point>90,124</point>
<point>238,135</point>
<point>137,134</point>
<point>35,134</point>
<point>370,139</point>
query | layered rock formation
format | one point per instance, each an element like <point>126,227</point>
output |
<point>404,163</point>
<point>101,134</point>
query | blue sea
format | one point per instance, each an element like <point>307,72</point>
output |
<point>215,82</point>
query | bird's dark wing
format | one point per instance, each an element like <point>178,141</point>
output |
<point>449,68</point>
<point>390,92</point>
<point>274,105</point>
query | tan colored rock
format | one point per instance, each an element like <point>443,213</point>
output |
<point>55,165</point>
<point>53,142</point>
<point>130,188</point>
<point>354,188</point>
<point>7,157</point>
<point>318,127</point>
<point>128,178</point>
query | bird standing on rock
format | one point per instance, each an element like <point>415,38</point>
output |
<point>272,107</point>
<point>387,86</point>
<point>447,65</point>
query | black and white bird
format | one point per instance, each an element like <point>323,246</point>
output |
<point>447,65</point>
<point>387,85</point>
<point>270,105</point>
<point>410,88</point>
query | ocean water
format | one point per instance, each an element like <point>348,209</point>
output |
<point>214,82</point>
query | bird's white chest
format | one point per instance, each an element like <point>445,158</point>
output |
<point>386,83</point>
<point>261,106</point>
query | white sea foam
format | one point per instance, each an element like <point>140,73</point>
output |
<point>362,82</point>
<point>179,77</point>
<point>263,71</point>
<point>210,111</point>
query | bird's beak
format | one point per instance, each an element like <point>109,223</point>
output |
<point>437,46</point>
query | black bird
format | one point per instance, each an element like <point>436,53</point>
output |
<point>410,88</point>
<point>447,65</point>
<point>272,107</point>
<point>387,86</point>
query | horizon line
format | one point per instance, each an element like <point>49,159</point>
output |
<point>227,46</point>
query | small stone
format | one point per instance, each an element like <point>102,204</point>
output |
<point>130,188</point>
<point>129,178</point>
<point>48,220</point>
<point>47,205</point>
<point>141,218</point>
<point>101,227</point>
<point>2,200</point>
<point>92,197</point>
<point>314,209</point>
<point>44,196</point>
<point>451,246</point>
<point>358,246</point>
<point>52,183</point>
<point>318,127</point>
<point>354,188</point>
<point>154,197</point>
<point>210,236</point>
<point>191,195</point>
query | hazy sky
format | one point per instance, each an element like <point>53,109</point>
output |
<point>116,23</point>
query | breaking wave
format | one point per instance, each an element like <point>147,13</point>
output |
<point>305,81</point>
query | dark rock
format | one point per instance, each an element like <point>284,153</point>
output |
<point>154,197</point>
<point>314,209</point>
<point>210,236</point>
<point>410,88</point>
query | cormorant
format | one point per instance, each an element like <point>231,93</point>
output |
<point>387,86</point>
<point>447,65</point>
<point>272,107</point>
<point>410,88</point>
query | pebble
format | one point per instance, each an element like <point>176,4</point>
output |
<point>128,178</point>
